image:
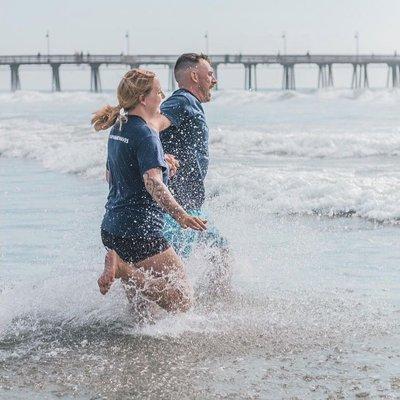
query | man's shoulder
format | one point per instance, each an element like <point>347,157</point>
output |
<point>178,108</point>
<point>178,98</point>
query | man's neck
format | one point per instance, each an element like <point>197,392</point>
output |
<point>192,90</point>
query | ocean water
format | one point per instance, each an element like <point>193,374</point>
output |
<point>306,188</point>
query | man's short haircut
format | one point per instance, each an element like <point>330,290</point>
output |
<point>189,60</point>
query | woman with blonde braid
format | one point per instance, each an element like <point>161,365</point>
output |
<point>132,226</point>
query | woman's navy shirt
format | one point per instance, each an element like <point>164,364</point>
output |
<point>133,150</point>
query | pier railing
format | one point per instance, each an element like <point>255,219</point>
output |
<point>249,61</point>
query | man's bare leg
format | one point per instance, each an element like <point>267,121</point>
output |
<point>223,262</point>
<point>218,278</point>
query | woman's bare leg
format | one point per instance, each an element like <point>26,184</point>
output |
<point>160,278</point>
<point>106,279</point>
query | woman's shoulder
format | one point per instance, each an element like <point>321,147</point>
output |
<point>147,130</point>
<point>136,128</point>
<point>143,133</point>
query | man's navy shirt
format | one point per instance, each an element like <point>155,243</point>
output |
<point>187,140</point>
<point>133,150</point>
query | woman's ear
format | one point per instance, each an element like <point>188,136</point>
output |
<point>142,100</point>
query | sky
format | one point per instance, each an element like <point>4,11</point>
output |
<point>176,26</point>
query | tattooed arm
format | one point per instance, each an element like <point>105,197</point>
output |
<point>163,197</point>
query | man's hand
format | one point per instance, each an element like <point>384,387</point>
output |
<point>173,164</point>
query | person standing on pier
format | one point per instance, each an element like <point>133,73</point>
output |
<point>184,134</point>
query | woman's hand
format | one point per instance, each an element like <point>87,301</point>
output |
<point>163,197</point>
<point>196,223</point>
<point>173,164</point>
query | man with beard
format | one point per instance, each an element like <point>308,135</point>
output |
<point>184,136</point>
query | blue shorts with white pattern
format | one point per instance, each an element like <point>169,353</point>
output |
<point>184,240</point>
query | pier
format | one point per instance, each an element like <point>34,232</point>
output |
<point>288,63</point>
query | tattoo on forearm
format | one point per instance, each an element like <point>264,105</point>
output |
<point>160,193</point>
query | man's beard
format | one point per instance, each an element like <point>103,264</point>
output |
<point>206,94</point>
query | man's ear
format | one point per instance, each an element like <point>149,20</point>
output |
<point>194,76</point>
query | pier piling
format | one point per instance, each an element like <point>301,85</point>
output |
<point>325,76</point>
<point>288,81</point>
<point>95,83</point>
<point>393,76</point>
<point>56,85</point>
<point>250,76</point>
<point>360,76</point>
<point>15,82</point>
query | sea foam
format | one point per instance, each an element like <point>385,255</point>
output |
<point>331,152</point>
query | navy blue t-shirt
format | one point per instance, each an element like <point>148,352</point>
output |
<point>187,140</point>
<point>133,150</point>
